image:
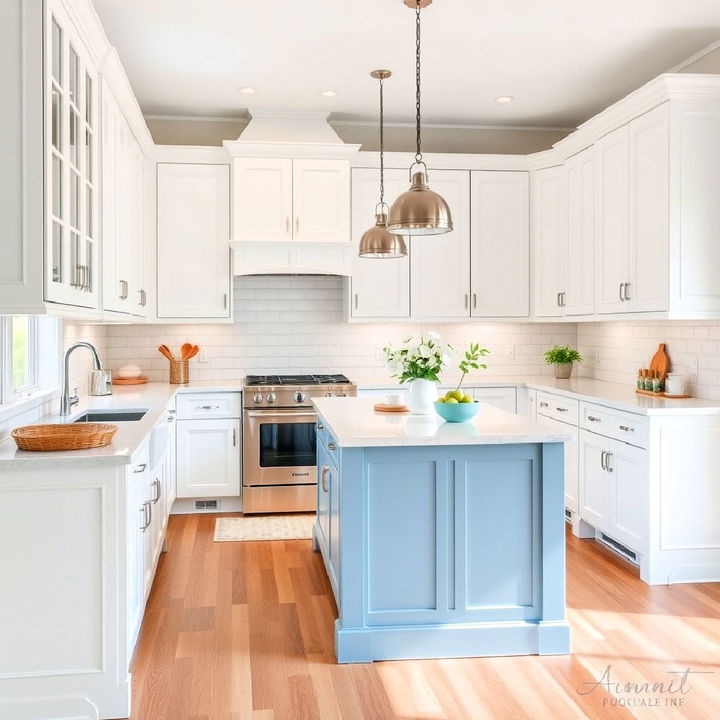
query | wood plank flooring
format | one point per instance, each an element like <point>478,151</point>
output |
<point>244,631</point>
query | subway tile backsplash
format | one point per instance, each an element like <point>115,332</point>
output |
<point>287,324</point>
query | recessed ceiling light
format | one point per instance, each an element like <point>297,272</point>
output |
<point>248,90</point>
<point>328,93</point>
<point>504,99</point>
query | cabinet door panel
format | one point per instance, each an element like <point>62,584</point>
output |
<point>193,232</point>
<point>208,458</point>
<point>440,264</point>
<point>629,495</point>
<point>262,199</point>
<point>548,241</point>
<point>378,288</point>
<point>612,249</point>
<point>334,480</point>
<point>500,244</point>
<point>580,237</point>
<point>321,200</point>
<point>503,398</point>
<point>649,185</point>
<point>594,481</point>
<point>571,459</point>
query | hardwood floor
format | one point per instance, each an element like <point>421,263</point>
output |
<point>244,631</point>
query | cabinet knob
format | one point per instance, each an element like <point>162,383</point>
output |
<point>592,418</point>
<point>320,426</point>
<point>627,428</point>
<point>543,404</point>
<point>561,409</point>
<point>332,446</point>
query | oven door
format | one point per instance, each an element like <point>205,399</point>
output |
<point>279,447</point>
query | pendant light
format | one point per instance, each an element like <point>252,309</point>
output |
<point>419,210</point>
<point>377,242</point>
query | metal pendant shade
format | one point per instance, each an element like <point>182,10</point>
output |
<point>419,210</point>
<point>377,243</point>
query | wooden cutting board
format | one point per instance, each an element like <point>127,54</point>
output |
<point>660,362</point>
<point>382,407</point>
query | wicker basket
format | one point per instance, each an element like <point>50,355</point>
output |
<point>72,436</point>
<point>179,372</point>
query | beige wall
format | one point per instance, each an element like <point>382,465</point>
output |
<point>173,131</point>
<point>709,63</point>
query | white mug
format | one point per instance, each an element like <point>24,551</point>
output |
<point>394,400</point>
<point>675,384</point>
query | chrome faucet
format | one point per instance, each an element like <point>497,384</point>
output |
<point>66,400</point>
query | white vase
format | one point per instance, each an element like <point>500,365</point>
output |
<point>421,396</point>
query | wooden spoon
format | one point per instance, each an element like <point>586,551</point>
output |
<point>186,351</point>
<point>165,350</point>
<point>193,352</point>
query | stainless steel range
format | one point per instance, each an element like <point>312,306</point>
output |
<point>279,465</point>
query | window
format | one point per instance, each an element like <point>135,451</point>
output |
<point>19,346</point>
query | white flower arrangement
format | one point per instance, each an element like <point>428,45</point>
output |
<point>419,359</point>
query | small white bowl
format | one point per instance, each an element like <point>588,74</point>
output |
<point>394,400</point>
<point>129,371</point>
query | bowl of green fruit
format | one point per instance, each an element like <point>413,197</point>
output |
<point>456,407</point>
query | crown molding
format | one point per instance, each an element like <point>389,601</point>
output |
<point>451,126</point>
<point>442,161</point>
<point>279,149</point>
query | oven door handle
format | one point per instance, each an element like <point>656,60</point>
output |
<point>268,415</point>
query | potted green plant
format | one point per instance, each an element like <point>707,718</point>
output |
<point>562,357</point>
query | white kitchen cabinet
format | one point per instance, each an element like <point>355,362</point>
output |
<point>548,244</point>
<point>262,199</point>
<point>594,481</point>
<point>499,244</point>
<point>612,224</point>
<point>378,288</point>
<point>71,179</point>
<point>321,200</point>
<point>208,458</point>
<point>614,493</point>
<point>279,199</point>
<point>579,236</point>
<point>124,207</point>
<point>571,458</point>
<point>193,256</point>
<point>440,264</point>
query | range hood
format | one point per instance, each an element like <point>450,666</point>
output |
<point>307,170</point>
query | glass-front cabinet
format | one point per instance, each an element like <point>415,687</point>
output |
<point>71,162</point>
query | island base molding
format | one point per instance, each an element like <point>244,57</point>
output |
<point>364,645</point>
<point>64,707</point>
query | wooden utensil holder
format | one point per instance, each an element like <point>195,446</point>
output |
<point>179,372</point>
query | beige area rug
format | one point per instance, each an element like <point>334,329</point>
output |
<point>268,527</point>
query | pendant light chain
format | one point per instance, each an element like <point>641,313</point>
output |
<point>382,146</point>
<point>418,154</point>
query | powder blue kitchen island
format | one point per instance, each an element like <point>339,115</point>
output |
<point>439,539</point>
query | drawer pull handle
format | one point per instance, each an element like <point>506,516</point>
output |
<point>561,409</point>
<point>158,491</point>
<point>140,468</point>
<point>603,453</point>
<point>209,407</point>
<point>627,428</point>
<point>543,404</point>
<point>608,467</point>
<point>592,418</point>
<point>332,446</point>
<point>323,478</point>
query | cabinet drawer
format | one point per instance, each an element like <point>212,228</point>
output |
<point>558,407</point>
<point>193,406</point>
<point>626,427</point>
<point>330,445</point>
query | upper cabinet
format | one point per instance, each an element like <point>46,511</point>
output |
<point>193,227</point>
<point>499,244</point>
<point>548,241</point>
<point>278,199</point>
<point>378,288</point>
<point>71,178</point>
<point>440,264</point>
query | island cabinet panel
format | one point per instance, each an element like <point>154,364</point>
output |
<point>402,504</point>
<point>490,579</point>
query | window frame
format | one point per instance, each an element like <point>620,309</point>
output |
<point>8,393</point>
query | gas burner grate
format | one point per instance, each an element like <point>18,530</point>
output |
<point>335,379</point>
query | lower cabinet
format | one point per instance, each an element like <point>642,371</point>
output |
<point>208,458</point>
<point>571,458</point>
<point>613,488</point>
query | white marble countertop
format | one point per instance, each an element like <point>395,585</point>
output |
<point>616,395</point>
<point>128,439</point>
<point>354,423</point>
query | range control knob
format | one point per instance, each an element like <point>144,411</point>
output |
<point>271,398</point>
<point>257,398</point>
<point>299,396</point>
<point>329,394</point>
<point>342,394</point>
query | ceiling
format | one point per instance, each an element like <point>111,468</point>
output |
<point>562,60</point>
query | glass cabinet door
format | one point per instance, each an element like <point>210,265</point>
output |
<point>71,166</point>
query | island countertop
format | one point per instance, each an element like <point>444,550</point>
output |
<point>354,423</point>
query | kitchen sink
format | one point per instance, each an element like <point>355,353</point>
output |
<point>111,415</point>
